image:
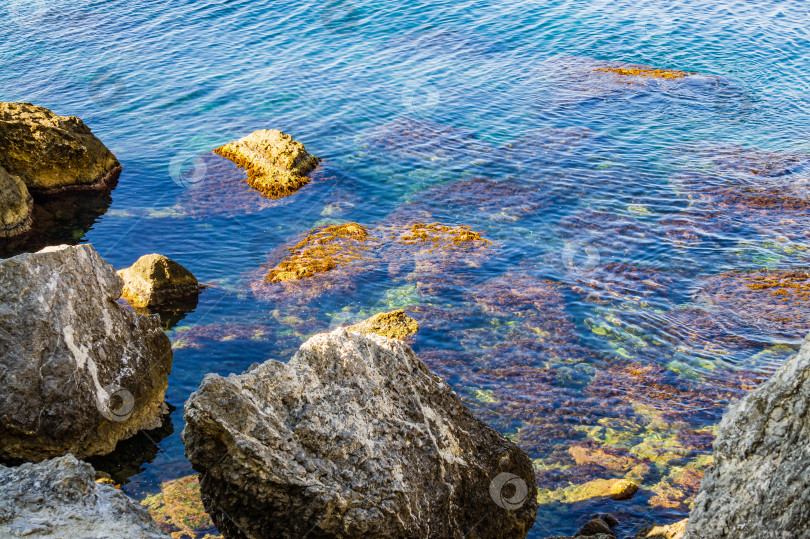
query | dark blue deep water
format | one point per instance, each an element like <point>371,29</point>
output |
<point>608,324</point>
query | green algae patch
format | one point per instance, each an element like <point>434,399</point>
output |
<point>615,489</point>
<point>394,324</point>
<point>179,511</point>
<point>320,251</point>
<point>275,164</point>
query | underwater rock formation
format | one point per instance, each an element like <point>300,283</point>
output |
<point>52,153</point>
<point>178,509</point>
<point>80,372</point>
<point>16,205</point>
<point>394,325</point>
<point>276,164</point>
<point>758,484</point>
<point>671,531</point>
<point>354,437</point>
<point>155,280</point>
<point>61,498</point>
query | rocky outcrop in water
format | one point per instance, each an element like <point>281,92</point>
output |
<point>16,205</point>
<point>758,485</point>
<point>52,153</point>
<point>79,372</point>
<point>155,280</point>
<point>354,437</point>
<point>276,164</point>
<point>61,498</point>
<point>393,324</point>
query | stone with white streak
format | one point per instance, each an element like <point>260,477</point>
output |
<point>59,498</point>
<point>78,372</point>
<point>758,485</point>
<point>354,437</point>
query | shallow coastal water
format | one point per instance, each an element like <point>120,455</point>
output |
<point>609,321</point>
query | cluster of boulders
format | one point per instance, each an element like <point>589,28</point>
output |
<point>353,437</point>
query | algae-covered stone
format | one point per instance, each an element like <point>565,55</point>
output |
<point>51,153</point>
<point>670,531</point>
<point>393,324</point>
<point>353,437</point>
<point>276,164</point>
<point>61,498</point>
<point>178,509</point>
<point>16,205</point>
<point>155,279</point>
<point>616,489</point>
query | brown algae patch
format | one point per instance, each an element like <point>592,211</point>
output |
<point>320,251</point>
<point>275,164</point>
<point>648,72</point>
<point>438,236</point>
<point>772,301</point>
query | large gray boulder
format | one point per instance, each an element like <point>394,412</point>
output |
<point>759,485</point>
<point>60,498</point>
<point>354,437</point>
<point>78,372</point>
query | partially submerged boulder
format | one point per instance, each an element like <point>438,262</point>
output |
<point>52,153</point>
<point>276,164</point>
<point>79,371</point>
<point>61,498</point>
<point>393,324</point>
<point>16,205</point>
<point>354,437</point>
<point>155,280</point>
<point>758,485</point>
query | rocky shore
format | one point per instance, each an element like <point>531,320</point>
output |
<point>355,435</point>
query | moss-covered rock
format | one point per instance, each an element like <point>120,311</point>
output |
<point>394,324</point>
<point>16,205</point>
<point>276,164</point>
<point>179,511</point>
<point>156,280</point>
<point>52,153</point>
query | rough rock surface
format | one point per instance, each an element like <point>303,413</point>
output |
<point>78,372</point>
<point>52,153</point>
<point>155,279</point>
<point>394,324</point>
<point>16,205</point>
<point>759,485</point>
<point>276,164</point>
<point>60,498</point>
<point>671,531</point>
<point>354,437</point>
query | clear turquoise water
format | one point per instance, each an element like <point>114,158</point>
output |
<point>163,83</point>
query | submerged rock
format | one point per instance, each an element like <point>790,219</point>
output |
<point>156,280</point>
<point>671,531</point>
<point>52,153</point>
<point>354,437</point>
<point>276,164</point>
<point>61,498</point>
<point>16,205</point>
<point>178,509</point>
<point>758,485</point>
<point>394,324</point>
<point>79,371</point>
